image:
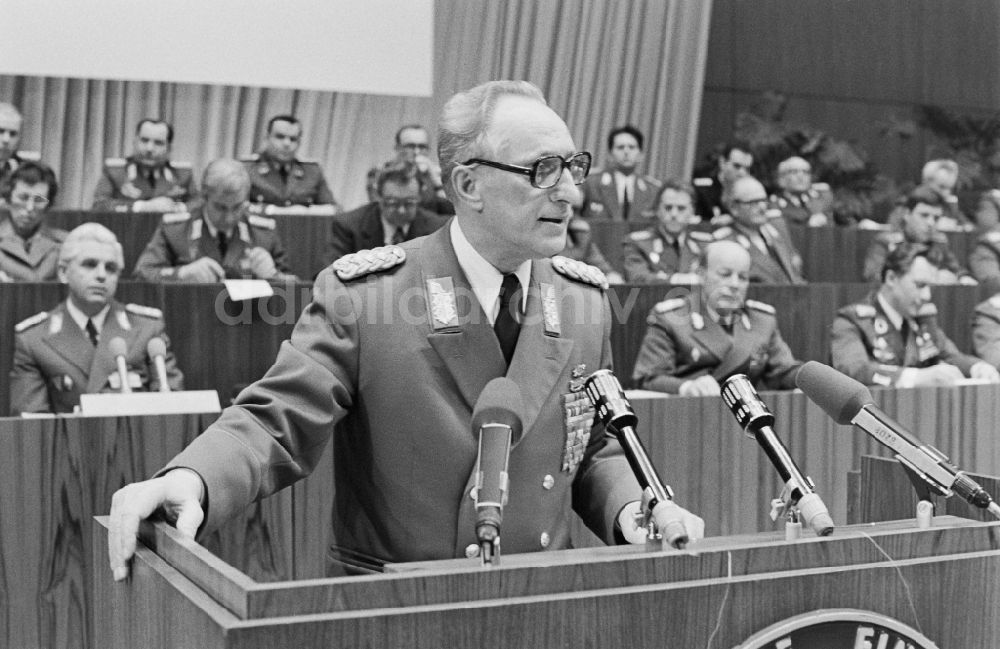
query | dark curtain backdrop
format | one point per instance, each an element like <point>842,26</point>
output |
<point>599,63</point>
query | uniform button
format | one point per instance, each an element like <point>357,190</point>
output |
<point>544,539</point>
<point>472,551</point>
<point>548,482</point>
<point>472,493</point>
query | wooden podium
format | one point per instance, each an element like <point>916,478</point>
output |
<point>943,581</point>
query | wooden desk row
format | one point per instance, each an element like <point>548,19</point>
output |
<point>55,474</point>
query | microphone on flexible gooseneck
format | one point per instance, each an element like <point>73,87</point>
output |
<point>848,402</point>
<point>119,350</point>
<point>756,421</point>
<point>156,349</point>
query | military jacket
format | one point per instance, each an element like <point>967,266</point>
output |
<point>798,209</point>
<point>55,362</point>
<point>867,347</point>
<point>682,343</point>
<point>984,260</point>
<point>600,197</point>
<point>123,182</point>
<point>781,264</point>
<point>39,263</point>
<point>650,256</point>
<point>708,198</point>
<point>886,242</point>
<point>305,184</point>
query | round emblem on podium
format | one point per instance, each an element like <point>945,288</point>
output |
<point>836,628</point>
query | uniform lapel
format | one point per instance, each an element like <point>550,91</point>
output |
<point>775,242</point>
<point>103,364</point>
<point>609,196</point>
<point>893,336</point>
<point>71,343</point>
<point>715,339</point>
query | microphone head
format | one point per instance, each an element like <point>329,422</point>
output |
<point>837,394</point>
<point>156,347</point>
<point>499,403</point>
<point>117,346</point>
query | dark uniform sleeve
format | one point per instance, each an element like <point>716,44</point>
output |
<point>157,255</point>
<point>323,194</point>
<point>950,262</point>
<point>782,368</point>
<point>28,387</point>
<point>636,266</point>
<point>656,363</point>
<point>986,334</point>
<point>951,354</point>
<point>850,355</point>
<point>277,252</point>
<point>106,196</point>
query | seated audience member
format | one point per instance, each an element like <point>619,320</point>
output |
<point>984,260</point>
<point>63,353</point>
<point>988,210</point>
<point>942,176</point>
<point>692,345</point>
<point>773,258</point>
<point>711,192</point>
<point>29,248</point>
<point>618,192</point>
<point>413,147</point>
<point>11,158</point>
<point>918,225</point>
<point>800,200</point>
<point>219,239</point>
<point>395,217</point>
<point>986,331</point>
<point>657,253</point>
<point>147,180</point>
<point>580,245</point>
<point>277,177</point>
<point>892,338</point>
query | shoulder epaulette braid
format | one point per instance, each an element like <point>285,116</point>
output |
<point>28,323</point>
<point>722,233</point>
<point>700,237</point>
<point>181,164</point>
<point>702,182</point>
<point>262,222</point>
<point>760,306</point>
<point>864,310</point>
<point>147,311</point>
<point>993,237</point>
<point>176,217</point>
<point>640,235</point>
<point>579,271</point>
<point>250,158</point>
<point>995,301</point>
<point>666,306</point>
<point>365,262</point>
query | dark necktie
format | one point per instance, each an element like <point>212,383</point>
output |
<point>223,244</point>
<point>399,236</point>
<point>91,332</point>
<point>151,178</point>
<point>625,204</point>
<point>283,172</point>
<point>506,325</point>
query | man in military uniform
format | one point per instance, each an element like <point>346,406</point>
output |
<point>412,148</point>
<point>29,248</point>
<point>278,178</point>
<point>801,201</point>
<point>404,451</point>
<point>219,239</point>
<point>395,217</point>
<point>711,192</point>
<point>763,234</point>
<point>918,225</point>
<point>892,338</point>
<point>693,345</point>
<point>619,192</point>
<point>11,158</point>
<point>659,253</point>
<point>986,331</point>
<point>63,353</point>
<point>146,181</point>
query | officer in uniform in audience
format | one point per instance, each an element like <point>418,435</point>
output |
<point>388,361</point>
<point>413,148</point>
<point>11,158</point>
<point>219,239</point>
<point>29,248</point>
<point>762,233</point>
<point>146,181</point>
<point>986,331</point>
<point>693,344</point>
<point>892,338</point>
<point>63,353</point>
<point>918,225</point>
<point>658,253</point>
<point>277,177</point>
<point>619,193</point>
<point>801,201</point>
<point>711,192</point>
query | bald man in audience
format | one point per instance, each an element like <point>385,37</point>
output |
<point>219,239</point>
<point>942,176</point>
<point>63,353</point>
<point>693,344</point>
<point>29,248</point>
<point>800,200</point>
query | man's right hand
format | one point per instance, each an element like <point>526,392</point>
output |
<point>178,493</point>
<point>942,374</point>
<point>205,270</point>
<point>703,386</point>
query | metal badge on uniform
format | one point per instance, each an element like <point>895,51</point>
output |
<point>758,360</point>
<point>926,348</point>
<point>695,354</point>
<point>578,378</point>
<point>881,326</point>
<point>578,418</point>
<point>550,310</point>
<point>697,321</point>
<point>441,297</point>
<point>882,352</point>
<point>63,383</point>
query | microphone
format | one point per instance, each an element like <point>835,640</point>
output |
<point>615,412</point>
<point>156,349</point>
<point>756,421</point>
<point>118,350</point>
<point>848,402</point>
<point>496,420</point>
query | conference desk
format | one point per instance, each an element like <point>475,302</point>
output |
<point>55,474</point>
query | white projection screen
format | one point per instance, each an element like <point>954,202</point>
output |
<point>359,46</point>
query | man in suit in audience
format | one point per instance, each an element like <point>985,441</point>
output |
<point>217,240</point>
<point>800,200</point>
<point>279,178</point>
<point>391,356</point>
<point>762,233</point>
<point>986,331</point>
<point>693,344</point>
<point>413,148</point>
<point>11,123</point>
<point>394,217</point>
<point>29,248</point>
<point>147,180</point>
<point>619,193</point>
<point>918,225</point>
<point>668,248</point>
<point>892,337</point>
<point>711,192</point>
<point>942,176</point>
<point>63,353</point>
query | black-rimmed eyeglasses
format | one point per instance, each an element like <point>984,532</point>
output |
<point>547,170</point>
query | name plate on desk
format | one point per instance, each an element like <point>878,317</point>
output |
<point>110,404</point>
<point>247,289</point>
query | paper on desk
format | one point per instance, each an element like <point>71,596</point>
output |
<point>247,289</point>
